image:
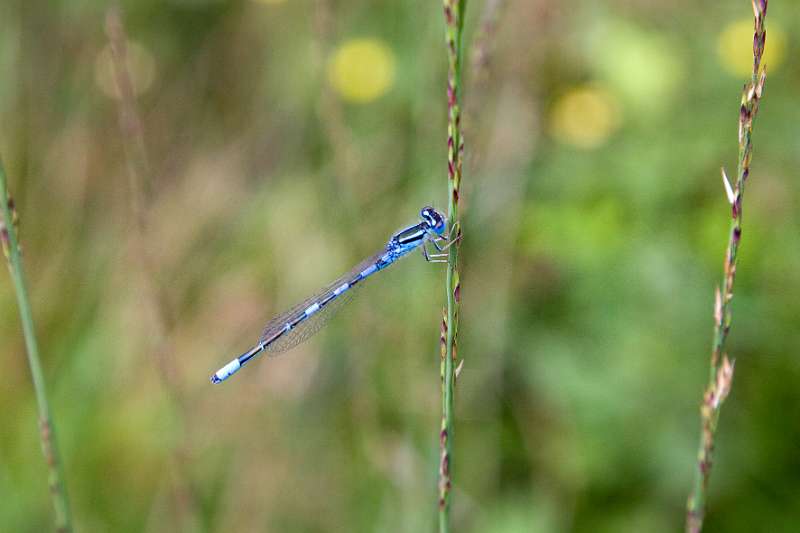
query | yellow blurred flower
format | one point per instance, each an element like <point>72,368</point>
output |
<point>361,70</point>
<point>584,117</point>
<point>141,68</point>
<point>735,47</point>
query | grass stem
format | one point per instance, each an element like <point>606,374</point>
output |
<point>163,323</point>
<point>454,21</point>
<point>47,430</point>
<point>721,368</point>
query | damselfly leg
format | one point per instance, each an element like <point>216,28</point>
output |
<point>449,240</point>
<point>433,258</point>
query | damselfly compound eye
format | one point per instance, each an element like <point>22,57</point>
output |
<point>433,219</point>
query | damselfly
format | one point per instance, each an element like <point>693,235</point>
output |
<point>303,320</point>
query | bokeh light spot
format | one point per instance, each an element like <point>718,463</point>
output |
<point>643,66</point>
<point>141,67</point>
<point>362,70</point>
<point>735,47</point>
<point>584,117</point>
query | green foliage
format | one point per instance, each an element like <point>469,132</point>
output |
<point>588,272</point>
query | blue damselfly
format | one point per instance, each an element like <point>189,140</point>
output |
<point>303,320</point>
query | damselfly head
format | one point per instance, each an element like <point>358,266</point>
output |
<point>433,219</point>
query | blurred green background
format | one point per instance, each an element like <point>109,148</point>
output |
<point>287,140</point>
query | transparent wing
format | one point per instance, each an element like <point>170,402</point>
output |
<point>311,325</point>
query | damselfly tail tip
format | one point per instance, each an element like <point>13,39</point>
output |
<point>226,371</point>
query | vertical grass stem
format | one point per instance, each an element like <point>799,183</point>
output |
<point>721,368</point>
<point>454,19</point>
<point>47,432</point>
